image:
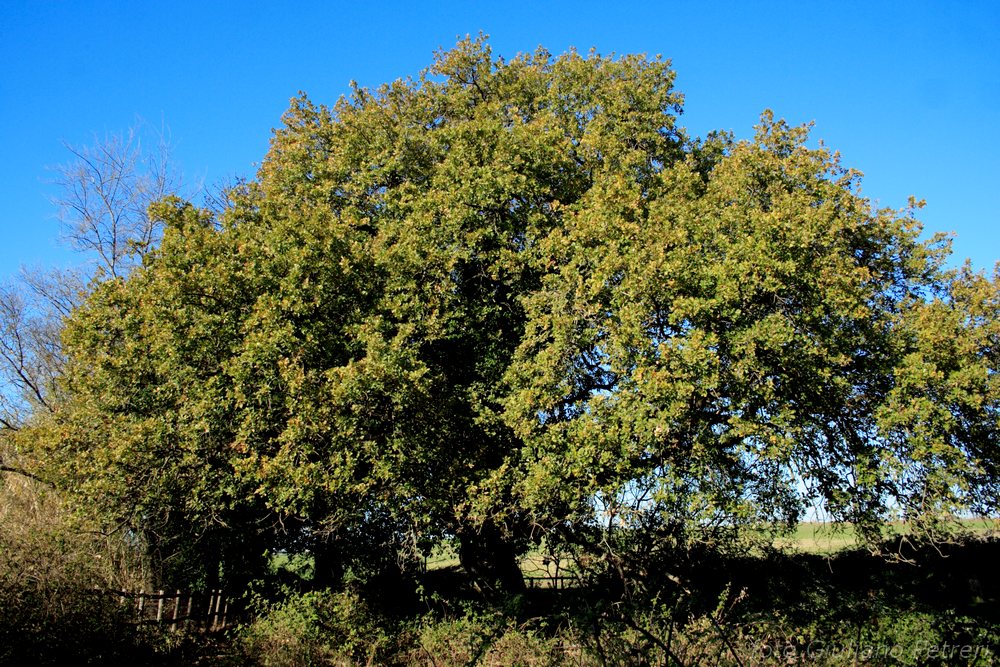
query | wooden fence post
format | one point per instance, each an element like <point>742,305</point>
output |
<point>215,615</point>
<point>177,604</point>
<point>209,613</point>
<point>208,610</point>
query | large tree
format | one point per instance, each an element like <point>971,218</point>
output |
<point>724,347</point>
<point>492,301</point>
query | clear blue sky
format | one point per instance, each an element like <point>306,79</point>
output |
<point>908,92</point>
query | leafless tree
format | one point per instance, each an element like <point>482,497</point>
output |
<point>105,191</point>
<point>103,198</point>
<point>30,350</point>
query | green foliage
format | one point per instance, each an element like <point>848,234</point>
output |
<point>707,344</point>
<point>329,355</point>
<point>316,628</point>
<point>485,639</point>
<point>508,301</point>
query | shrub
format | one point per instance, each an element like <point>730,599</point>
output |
<point>316,628</point>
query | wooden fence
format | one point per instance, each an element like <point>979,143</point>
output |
<point>208,611</point>
<point>549,572</point>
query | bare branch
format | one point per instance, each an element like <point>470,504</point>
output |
<point>31,315</point>
<point>105,193</point>
<point>60,289</point>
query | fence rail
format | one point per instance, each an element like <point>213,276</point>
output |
<point>207,611</point>
<point>551,581</point>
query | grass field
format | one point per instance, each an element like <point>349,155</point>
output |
<point>809,537</point>
<point>816,537</point>
<point>825,538</point>
<point>538,568</point>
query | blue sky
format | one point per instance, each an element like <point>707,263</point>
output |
<point>909,93</point>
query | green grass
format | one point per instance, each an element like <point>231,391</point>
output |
<point>442,557</point>
<point>809,537</point>
<point>538,568</point>
<point>816,537</point>
<point>826,538</point>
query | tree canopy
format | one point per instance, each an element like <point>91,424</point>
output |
<point>513,300</point>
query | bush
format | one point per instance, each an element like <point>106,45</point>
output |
<point>487,638</point>
<point>315,628</point>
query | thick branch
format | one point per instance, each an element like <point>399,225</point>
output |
<point>23,473</point>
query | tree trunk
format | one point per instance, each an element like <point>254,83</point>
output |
<point>328,562</point>
<point>491,561</point>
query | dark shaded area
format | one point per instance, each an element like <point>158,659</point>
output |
<point>959,577</point>
<point>850,593</point>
